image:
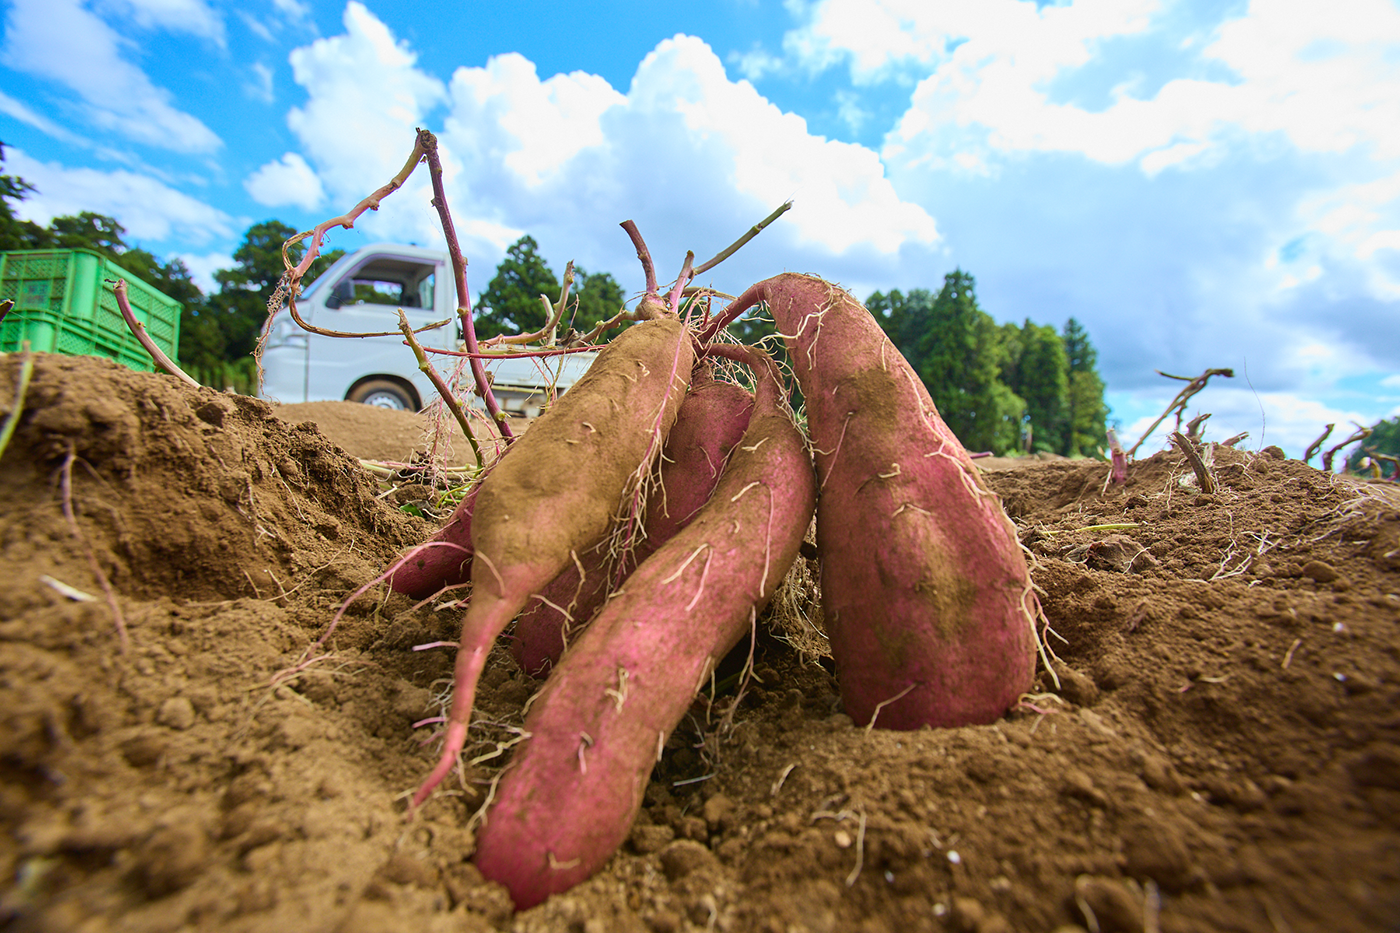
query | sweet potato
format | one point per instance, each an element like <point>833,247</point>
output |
<point>568,798</point>
<point>711,421</point>
<point>443,560</point>
<point>925,590</point>
<point>556,491</point>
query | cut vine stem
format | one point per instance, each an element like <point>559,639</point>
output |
<point>139,330</point>
<point>1178,404</point>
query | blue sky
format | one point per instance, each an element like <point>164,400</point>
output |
<point>1200,184</point>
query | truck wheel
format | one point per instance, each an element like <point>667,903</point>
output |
<point>381,393</point>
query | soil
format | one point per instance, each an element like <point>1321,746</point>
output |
<point>1220,752</point>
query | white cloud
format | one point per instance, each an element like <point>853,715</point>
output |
<point>189,16</point>
<point>202,267</point>
<point>693,157</point>
<point>1324,76</point>
<point>357,127</point>
<point>63,42</point>
<point>261,85</point>
<point>22,113</point>
<point>147,208</point>
<point>285,181</point>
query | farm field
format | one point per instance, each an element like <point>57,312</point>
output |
<point>1221,751</point>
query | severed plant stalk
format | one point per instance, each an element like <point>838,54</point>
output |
<point>427,368</point>
<point>1360,434</point>
<point>1316,445</point>
<point>1198,466</point>
<point>427,144</point>
<point>139,330</point>
<point>734,247</point>
<point>1178,404</point>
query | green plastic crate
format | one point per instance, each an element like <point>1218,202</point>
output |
<point>62,306</point>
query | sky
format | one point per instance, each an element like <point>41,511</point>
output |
<point>1200,184</point>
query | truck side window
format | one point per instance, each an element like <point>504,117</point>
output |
<point>386,281</point>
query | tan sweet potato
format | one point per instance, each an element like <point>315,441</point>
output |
<point>558,489</point>
<point>570,794</point>
<point>711,421</point>
<point>925,590</point>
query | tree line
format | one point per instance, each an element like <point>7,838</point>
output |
<point>1002,388</point>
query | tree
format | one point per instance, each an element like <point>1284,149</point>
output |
<point>16,233</point>
<point>959,353</point>
<point>1086,412</point>
<point>511,303</point>
<point>1037,370</point>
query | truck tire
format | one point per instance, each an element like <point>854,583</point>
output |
<point>382,393</point>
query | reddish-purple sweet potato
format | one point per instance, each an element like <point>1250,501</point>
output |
<point>711,421</point>
<point>443,560</point>
<point>925,590</point>
<point>568,798</point>
<point>556,491</point>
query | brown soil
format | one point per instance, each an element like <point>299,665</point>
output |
<point>1220,753</point>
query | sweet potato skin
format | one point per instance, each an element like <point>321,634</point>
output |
<point>556,490</point>
<point>711,421</point>
<point>569,796</point>
<point>445,559</point>
<point>925,589</point>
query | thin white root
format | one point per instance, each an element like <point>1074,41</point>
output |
<point>619,696</point>
<point>883,703</point>
<point>684,564</point>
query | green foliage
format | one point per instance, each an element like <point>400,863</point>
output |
<point>511,303</point>
<point>1086,411</point>
<point>600,297</point>
<point>959,353</point>
<point>226,327</point>
<point>1384,439</point>
<point>1036,368</point>
<point>998,388</point>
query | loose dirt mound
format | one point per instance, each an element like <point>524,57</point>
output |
<point>1221,753</point>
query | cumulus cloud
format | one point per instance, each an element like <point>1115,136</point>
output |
<point>692,156</point>
<point>147,208</point>
<point>62,41</point>
<point>365,98</point>
<point>202,267</point>
<point>1324,77</point>
<point>285,181</point>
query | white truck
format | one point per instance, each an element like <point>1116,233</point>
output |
<point>363,292</point>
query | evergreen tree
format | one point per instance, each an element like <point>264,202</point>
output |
<point>959,357</point>
<point>904,318</point>
<point>511,303</point>
<point>1037,370</point>
<point>1086,412</point>
<point>16,233</point>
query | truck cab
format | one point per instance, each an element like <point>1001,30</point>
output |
<point>363,292</point>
